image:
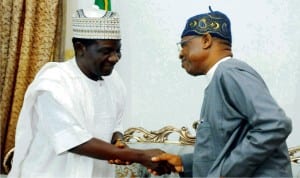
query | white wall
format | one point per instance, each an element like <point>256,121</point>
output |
<point>265,35</point>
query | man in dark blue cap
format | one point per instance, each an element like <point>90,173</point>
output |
<point>242,131</point>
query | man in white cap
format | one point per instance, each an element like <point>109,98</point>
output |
<point>70,122</point>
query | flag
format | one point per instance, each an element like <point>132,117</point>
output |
<point>103,4</point>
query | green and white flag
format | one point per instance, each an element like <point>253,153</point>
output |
<point>103,4</point>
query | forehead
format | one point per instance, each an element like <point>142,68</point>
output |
<point>186,37</point>
<point>108,43</point>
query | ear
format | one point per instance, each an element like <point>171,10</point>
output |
<point>79,48</point>
<point>206,41</point>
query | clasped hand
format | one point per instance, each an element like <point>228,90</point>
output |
<point>171,159</point>
<point>155,160</point>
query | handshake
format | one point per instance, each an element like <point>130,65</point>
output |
<point>156,161</point>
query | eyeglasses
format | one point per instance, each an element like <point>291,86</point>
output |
<point>184,42</point>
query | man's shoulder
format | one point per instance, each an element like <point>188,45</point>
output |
<point>235,65</point>
<point>236,70</point>
<point>52,78</point>
<point>54,70</point>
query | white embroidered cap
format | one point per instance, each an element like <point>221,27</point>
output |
<point>94,23</point>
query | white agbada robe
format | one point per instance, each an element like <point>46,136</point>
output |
<point>62,109</point>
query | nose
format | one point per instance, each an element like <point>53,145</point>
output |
<point>180,55</point>
<point>114,57</point>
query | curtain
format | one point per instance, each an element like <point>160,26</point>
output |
<point>31,35</point>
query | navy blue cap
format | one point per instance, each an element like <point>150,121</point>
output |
<point>215,23</point>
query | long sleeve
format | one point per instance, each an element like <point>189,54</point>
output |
<point>58,124</point>
<point>269,126</point>
<point>187,161</point>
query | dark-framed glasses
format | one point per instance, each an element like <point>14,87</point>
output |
<point>180,44</point>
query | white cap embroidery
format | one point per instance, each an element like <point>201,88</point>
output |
<point>94,23</point>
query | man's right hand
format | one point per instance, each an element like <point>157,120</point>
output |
<point>160,167</point>
<point>172,159</point>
